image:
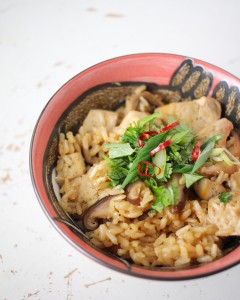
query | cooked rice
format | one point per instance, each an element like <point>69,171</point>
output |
<point>160,239</point>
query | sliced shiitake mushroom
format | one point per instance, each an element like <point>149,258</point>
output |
<point>99,210</point>
<point>182,192</point>
<point>133,191</point>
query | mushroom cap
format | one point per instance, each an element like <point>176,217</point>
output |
<point>99,210</point>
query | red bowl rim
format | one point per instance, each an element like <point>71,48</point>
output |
<point>221,264</point>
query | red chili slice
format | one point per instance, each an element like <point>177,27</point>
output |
<point>196,151</point>
<point>145,135</point>
<point>161,147</point>
<point>170,126</point>
<point>146,164</point>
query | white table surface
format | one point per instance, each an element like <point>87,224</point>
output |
<point>42,45</point>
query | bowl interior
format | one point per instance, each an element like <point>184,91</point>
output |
<point>184,78</point>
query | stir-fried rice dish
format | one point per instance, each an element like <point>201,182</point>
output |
<point>154,183</point>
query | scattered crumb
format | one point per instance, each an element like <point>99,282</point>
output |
<point>58,64</point>
<point>39,85</point>
<point>29,295</point>
<point>70,273</point>
<point>93,283</point>
<point>6,178</point>
<point>91,9</point>
<point>13,272</point>
<point>69,283</point>
<point>1,258</point>
<point>12,147</point>
<point>114,15</point>
<point>50,282</point>
<point>15,246</point>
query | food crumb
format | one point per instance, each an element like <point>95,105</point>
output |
<point>96,282</point>
<point>114,15</point>
<point>58,64</point>
<point>12,147</point>
<point>91,9</point>
<point>29,295</point>
<point>39,85</point>
<point>6,178</point>
<point>70,273</point>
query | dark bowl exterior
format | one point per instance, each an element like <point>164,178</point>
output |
<point>104,86</point>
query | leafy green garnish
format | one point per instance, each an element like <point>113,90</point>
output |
<point>206,150</point>
<point>144,121</point>
<point>191,178</point>
<point>119,150</point>
<point>183,142</point>
<point>118,169</point>
<point>225,197</point>
<point>179,137</point>
<point>215,139</point>
<point>165,196</point>
<point>135,129</point>
<point>184,168</point>
<point>143,155</point>
<point>126,157</point>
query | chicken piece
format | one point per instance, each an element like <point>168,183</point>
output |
<point>88,192</point>
<point>225,216</point>
<point>233,145</point>
<point>98,118</point>
<point>210,169</point>
<point>132,101</point>
<point>131,117</point>
<point>207,188</point>
<point>197,114</point>
<point>234,182</point>
<point>70,166</point>
<point>221,126</point>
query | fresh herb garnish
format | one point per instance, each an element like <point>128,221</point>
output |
<point>133,132</point>
<point>143,155</point>
<point>191,178</point>
<point>119,150</point>
<point>184,168</point>
<point>165,196</point>
<point>153,154</point>
<point>225,197</point>
<point>206,150</point>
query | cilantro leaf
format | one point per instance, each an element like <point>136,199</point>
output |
<point>225,197</point>
<point>179,137</point>
<point>118,169</point>
<point>191,178</point>
<point>165,196</point>
<point>118,150</point>
<point>131,136</point>
<point>143,122</point>
<point>135,129</point>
